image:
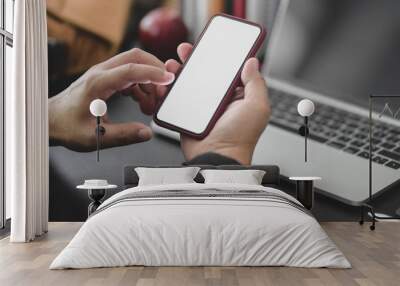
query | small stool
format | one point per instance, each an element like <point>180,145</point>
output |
<point>305,190</point>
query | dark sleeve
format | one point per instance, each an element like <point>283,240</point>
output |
<point>212,159</point>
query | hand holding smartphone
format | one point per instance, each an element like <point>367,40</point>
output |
<point>207,80</point>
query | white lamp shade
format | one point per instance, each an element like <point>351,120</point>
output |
<point>305,107</point>
<point>98,107</point>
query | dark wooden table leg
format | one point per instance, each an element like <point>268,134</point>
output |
<point>305,193</point>
<point>95,196</point>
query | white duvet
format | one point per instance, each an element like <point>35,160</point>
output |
<point>200,231</point>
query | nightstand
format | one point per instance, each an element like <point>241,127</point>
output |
<point>305,190</point>
<point>96,191</point>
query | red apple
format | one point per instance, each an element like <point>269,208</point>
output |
<point>161,31</point>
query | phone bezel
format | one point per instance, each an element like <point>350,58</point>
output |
<point>230,91</point>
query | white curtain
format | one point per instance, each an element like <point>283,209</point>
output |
<point>27,124</point>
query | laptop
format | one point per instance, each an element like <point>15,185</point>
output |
<point>335,53</point>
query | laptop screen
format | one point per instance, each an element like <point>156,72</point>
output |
<point>343,48</point>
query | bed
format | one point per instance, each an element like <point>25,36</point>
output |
<point>201,224</point>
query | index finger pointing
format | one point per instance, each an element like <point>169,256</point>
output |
<point>121,77</point>
<point>134,55</point>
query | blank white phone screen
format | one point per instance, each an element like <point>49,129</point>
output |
<point>207,76</point>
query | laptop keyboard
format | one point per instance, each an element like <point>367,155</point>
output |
<point>339,129</point>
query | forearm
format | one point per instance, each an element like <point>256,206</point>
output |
<point>54,139</point>
<point>60,115</point>
<point>212,158</point>
<point>241,153</point>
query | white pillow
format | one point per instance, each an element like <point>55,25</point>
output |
<point>248,177</point>
<point>163,176</point>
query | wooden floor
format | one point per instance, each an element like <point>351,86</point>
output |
<point>375,257</point>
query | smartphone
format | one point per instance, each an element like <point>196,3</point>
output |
<point>205,85</point>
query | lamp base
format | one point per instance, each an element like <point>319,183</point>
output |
<point>376,216</point>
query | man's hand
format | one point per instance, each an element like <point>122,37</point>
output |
<point>237,131</point>
<point>135,73</point>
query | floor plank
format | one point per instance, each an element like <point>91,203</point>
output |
<point>375,257</point>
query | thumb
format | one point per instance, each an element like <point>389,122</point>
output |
<point>119,134</point>
<point>250,70</point>
<point>253,81</point>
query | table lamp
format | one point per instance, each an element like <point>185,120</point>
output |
<point>98,108</point>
